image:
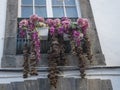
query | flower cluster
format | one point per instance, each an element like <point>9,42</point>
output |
<point>56,27</point>
<point>29,26</point>
<point>83,24</point>
<point>66,26</point>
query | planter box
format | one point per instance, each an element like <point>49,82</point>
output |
<point>43,32</point>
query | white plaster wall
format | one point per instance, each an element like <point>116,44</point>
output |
<point>107,19</point>
<point>2,25</point>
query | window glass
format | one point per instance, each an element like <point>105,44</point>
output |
<point>41,11</point>
<point>57,2</point>
<point>58,12</point>
<point>27,11</point>
<point>71,12</point>
<point>57,8</point>
<point>69,2</point>
<point>40,2</point>
<point>27,2</point>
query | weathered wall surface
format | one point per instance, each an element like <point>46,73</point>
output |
<point>9,51</point>
<point>63,84</point>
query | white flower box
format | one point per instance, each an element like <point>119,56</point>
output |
<point>43,32</point>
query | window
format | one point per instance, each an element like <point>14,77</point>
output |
<point>66,8</point>
<point>49,8</point>
<point>40,8</point>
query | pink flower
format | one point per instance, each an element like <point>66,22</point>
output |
<point>78,41</point>
<point>77,37</point>
<point>22,33</point>
<point>60,30</point>
<point>37,43</point>
<point>65,19</point>
<point>52,30</point>
<point>56,22</point>
<point>31,26</point>
<point>40,19</point>
<point>76,34</point>
<point>35,36</point>
<point>66,24</point>
<point>34,18</point>
<point>83,23</point>
<point>23,24</point>
<point>50,22</point>
<point>37,50</point>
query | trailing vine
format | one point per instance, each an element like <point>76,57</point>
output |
<point>88,48</point>
<point>53,58</point>
<point>56,57</point>
<point>26,60</point>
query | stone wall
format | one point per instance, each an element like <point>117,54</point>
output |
<point>64,83</point>
<point>9,52</point>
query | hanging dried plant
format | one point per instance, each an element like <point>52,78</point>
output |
<point>53,57</point>
<point>88,48</point>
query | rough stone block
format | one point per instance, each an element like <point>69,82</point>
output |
<point>60,84</point>
<point>32,85</point>
<point>18,86</point>
<point>98,59</point>
<point>81,84</point>
<point>44,84</point>
<point>106,85</point>
<point>94,84</point>
<point>19,60</point>
<point>68,84</point>
<point>72,60</point>
<point>11,28</point>
<point>10,46</point>
<point>5,87</point>
<point>43,61</point>
<point>12,2</point>
<point>8,61</point>
<point>12,11</point>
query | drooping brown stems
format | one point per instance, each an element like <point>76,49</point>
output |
<point>81,60</point>
<point>88,48</point>
<point>56,57</point>
<point>25,64</point>
<point>53,57</point>
<point>81,52</point>
<point>30,60</point>
<point>33,60</point>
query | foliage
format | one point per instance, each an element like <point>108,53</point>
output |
<point>75,30</point>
